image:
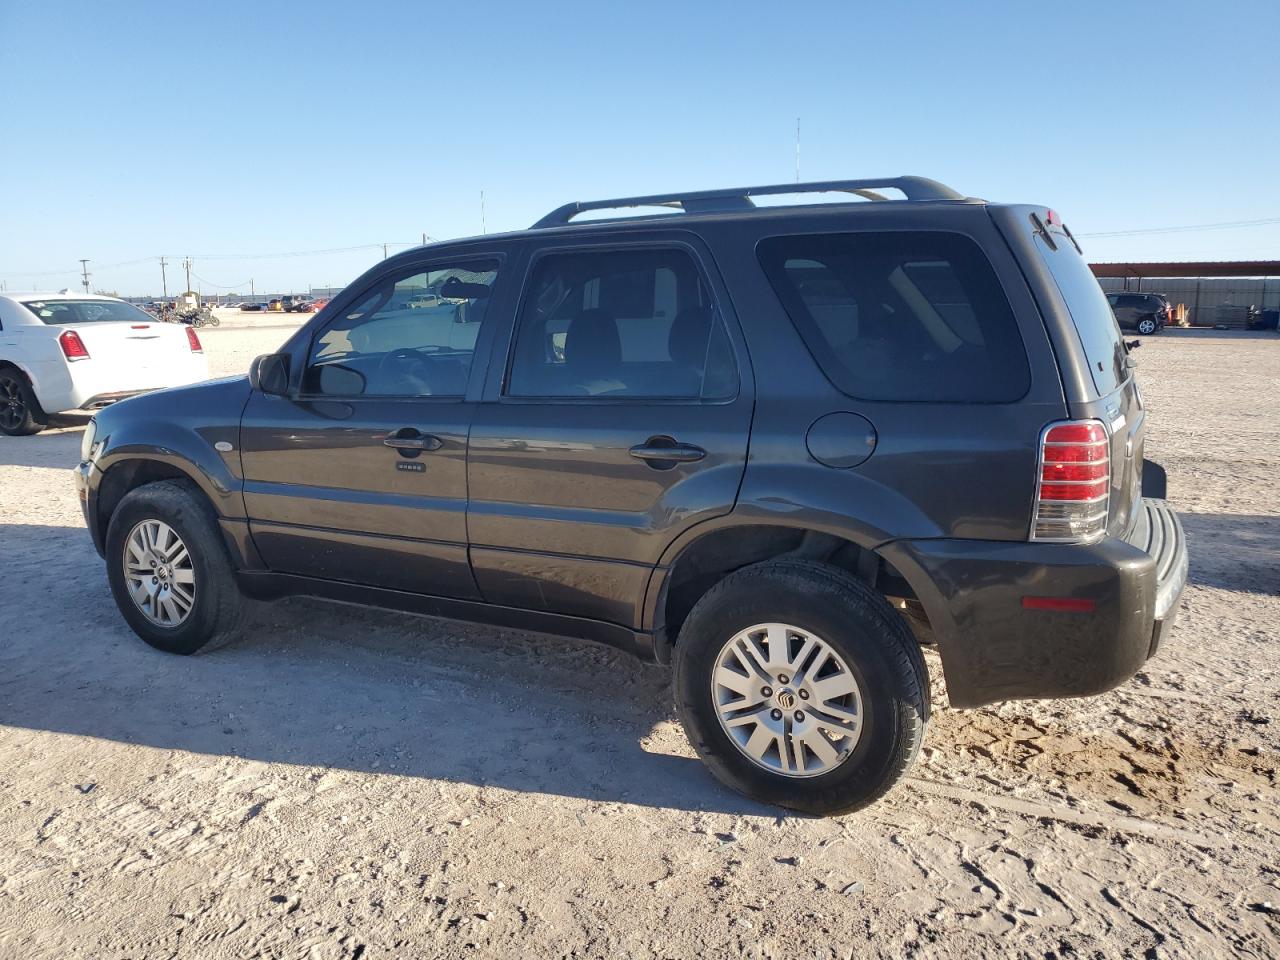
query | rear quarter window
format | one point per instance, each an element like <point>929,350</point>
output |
<point>1090,311</point>
<point>901,316</point>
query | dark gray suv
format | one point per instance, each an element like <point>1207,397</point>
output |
<point>779,447</point>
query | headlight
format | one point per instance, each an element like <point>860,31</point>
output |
<point>87,440</point>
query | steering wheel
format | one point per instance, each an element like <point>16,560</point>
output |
<point>410,357</point>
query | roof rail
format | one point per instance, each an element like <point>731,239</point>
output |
<point>739,198</point>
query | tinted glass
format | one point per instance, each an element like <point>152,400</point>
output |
<point>901,316</point>
<point>86,311</point>
<point>1094,322</point>
<point>410,335</point>
<point>635,323</point>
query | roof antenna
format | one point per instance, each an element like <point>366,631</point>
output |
<point>797,149</point>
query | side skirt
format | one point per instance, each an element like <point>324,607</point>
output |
<point>264,585</point>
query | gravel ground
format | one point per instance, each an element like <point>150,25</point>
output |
<point>349,783</point>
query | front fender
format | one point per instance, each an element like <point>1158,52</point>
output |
<point>181,429</point>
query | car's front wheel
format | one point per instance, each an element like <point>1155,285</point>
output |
<point>800,686</point>
<point>20,412</point>
<point>169,569</point>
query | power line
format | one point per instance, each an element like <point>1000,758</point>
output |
<point>1225,225</point>
<point>223,256</point>
<point>222,286</point>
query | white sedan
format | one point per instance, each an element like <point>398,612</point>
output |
<point>66,351</point>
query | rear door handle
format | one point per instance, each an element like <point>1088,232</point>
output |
<point>408,438</point>
<point>667,449</point>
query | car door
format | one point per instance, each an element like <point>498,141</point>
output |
<point>618,418</point>
<point>360,474</point>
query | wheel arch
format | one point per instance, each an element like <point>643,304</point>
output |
<point>706,555</point>
<point>127,473</point>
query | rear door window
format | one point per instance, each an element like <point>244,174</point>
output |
<point>1094,322</point>
<point>621,324</point>
<point>901,316</point>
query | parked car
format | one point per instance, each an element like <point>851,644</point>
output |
<point>251,307</point>
<point>65,351</point>
<point>777,448</point>
<point>1146,313</point>
<point>275,305</point>
<point>298,304</point>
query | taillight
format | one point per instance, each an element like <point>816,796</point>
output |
<point>1073,482</point>
<point>72,346</point>
<point>193,341</point>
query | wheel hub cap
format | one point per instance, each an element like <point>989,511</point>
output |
<point>787,700</point>
<point>159,574</point>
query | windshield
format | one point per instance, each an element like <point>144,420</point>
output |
<point>58,312</point>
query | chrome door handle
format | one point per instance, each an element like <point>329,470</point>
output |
<point>667,449</point>
<point>407,438</point>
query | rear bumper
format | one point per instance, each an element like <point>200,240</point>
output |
<point>994,648</point>
<point>93,383</point>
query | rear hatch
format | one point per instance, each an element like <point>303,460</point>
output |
<point>1096,365</point>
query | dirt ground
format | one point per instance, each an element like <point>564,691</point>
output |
<point>359,784</point>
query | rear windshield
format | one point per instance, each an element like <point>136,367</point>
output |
<point>1090,312</point>
<point>57,312</point>
<point>901,316</point>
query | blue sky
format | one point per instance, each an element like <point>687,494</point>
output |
<point>232,129</point>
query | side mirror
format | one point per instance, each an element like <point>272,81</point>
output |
<point>270,374</point>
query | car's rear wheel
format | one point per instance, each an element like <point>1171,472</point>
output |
<point>20,412</point>
<point>169,569</point>
<point>800,686</point>
<point>1146,327</point>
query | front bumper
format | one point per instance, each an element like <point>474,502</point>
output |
<point>994,648</point>
<point>86,477</point>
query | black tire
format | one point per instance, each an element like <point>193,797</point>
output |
<point>219,608</point>
<point>1151,327</point>
<point>861,626</point>
<point>20,412</point>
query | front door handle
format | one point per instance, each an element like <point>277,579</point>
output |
<point>408,438</point>
<point>667,450</point>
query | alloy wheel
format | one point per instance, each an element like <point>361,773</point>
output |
<point>159,574</point>
<point>13,409</point>
<point>787,700</point>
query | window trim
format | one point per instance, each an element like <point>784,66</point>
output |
<point>616,246</point>
<point>995,273</point>
<point>416,266</point>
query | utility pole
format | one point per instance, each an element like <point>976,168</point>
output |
<point>384,251</point>
<point>186,265</point>
<point>482,227</point>
<point>84,270</point>
<point>251,294</point>
<point>164,280</point>
<point>424,238</point>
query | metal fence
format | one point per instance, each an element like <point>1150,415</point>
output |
<point>1203,295</point>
